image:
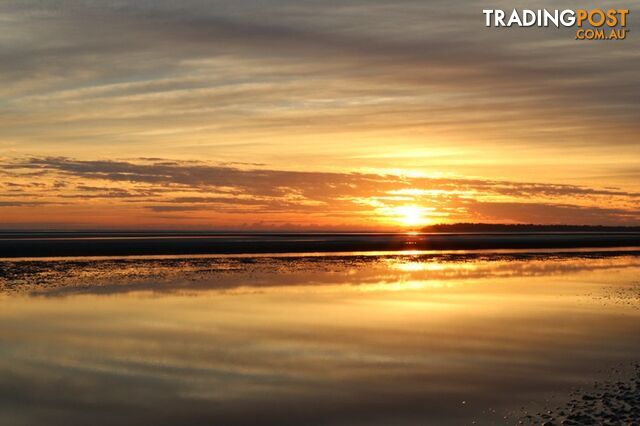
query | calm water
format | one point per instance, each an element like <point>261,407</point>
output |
<point>392,339</point>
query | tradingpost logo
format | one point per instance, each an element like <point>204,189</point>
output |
<point>594,24</point>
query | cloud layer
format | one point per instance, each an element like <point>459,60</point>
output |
<point>358,94</point>
<point>235,196</point>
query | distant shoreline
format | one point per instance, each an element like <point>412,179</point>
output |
<point>80,244</point>
<point>527,227</point>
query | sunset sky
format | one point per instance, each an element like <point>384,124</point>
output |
<point>311,115</point>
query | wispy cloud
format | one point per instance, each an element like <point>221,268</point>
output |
<point>261,90</point>
<point>154,74</point>
<point>308,198</point>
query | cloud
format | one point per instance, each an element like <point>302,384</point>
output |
<point>270,182</point>
<point>140,71</point>
<point>262,90</point>
<point>21,203</point>
<point>162,186</point>
<point>554,213</point>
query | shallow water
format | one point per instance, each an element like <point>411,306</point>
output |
<point>393,339</point>
<point>48,244</point>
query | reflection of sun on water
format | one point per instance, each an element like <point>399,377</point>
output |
<point>420,266</point>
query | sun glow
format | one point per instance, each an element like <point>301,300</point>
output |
<point>411,215</point>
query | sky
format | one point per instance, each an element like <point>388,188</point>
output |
<point>311,115</point>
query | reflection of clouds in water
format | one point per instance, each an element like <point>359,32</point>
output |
<point>287,358</point>
<point>405,285</point>
<point>413,266</point>
<point>294,355</point>
<point>60,277</point>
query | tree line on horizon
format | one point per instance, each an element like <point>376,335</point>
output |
<point>526,227</point>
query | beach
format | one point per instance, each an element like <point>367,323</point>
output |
<point>442,338</point>
<point>319,213</point>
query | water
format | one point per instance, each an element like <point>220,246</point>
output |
<point>388,339</point>
<point>50,244</point>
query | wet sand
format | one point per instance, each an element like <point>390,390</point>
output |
<point>609,402</point>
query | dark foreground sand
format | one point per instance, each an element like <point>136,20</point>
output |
<point>607,403</point>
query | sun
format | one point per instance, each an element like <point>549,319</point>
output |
<point>411,215</point>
